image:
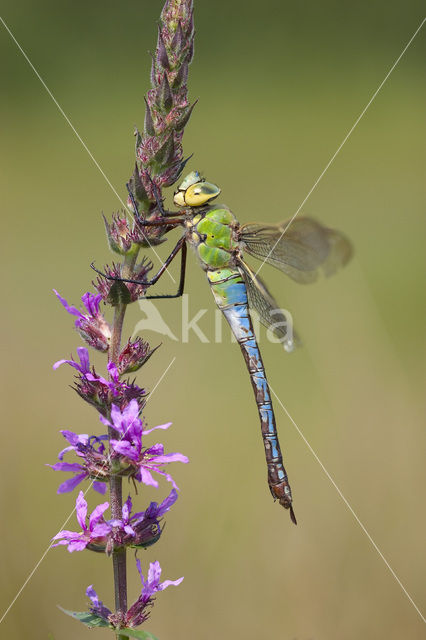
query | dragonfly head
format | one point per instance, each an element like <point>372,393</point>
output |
<point>194,191</point>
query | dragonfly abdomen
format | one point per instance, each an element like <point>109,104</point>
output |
<point>230,293</point>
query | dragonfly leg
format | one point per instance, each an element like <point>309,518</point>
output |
<point>153,223</point>
<point>181,280</point>
<point>158,199</point>
<point>180,246</point>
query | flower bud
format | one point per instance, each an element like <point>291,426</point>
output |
<point>134,355</point>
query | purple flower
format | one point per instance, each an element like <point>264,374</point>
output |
<point>82,443</point>
<point>129,426</point>
<point>152,583</point>
<point>97,607</point>
<point>96,533</point>
<point>92,450</point>
<point>80,474</point>
<point>146,524</point>
<point>150,586</point>
<point>141,529</point>
<point>138,612</point>
<point>92,326</point>
<point>155,510</point>
<point>83,368</point>
<point>98,391</point>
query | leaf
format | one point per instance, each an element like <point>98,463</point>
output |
<point>118,294</point>
<point>134,633</point>
<point>87,618</point>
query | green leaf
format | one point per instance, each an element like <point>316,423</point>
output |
<point>119,294</point>
<point>134,633</point>
<point>87,618</point>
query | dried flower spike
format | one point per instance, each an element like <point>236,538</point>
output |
<point>159,154</point>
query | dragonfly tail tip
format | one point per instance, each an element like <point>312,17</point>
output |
<point>292,515</point>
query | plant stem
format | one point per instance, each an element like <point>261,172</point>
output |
<point>116,493</point>
<point>116,498</point>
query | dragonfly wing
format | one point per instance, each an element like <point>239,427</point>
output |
<point>270,314</point>
<point>339,254</point>
<point>301,248</point>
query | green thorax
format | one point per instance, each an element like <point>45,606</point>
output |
<point>211,232</point>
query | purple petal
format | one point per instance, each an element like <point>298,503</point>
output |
<point>67,535</point>
<point>128,529</point>
<point>97,514</point>
<point>154,573</point>
<point>98,605</point>
<point>64,451</point>
<point>91,593</point>
<point>125,449</point>
<point>170,457</point>
<point>71,483</point>
<point>138,517</point>
<point>77,545</point>
<point>95,378</point>
<point>167,583</point>
<point>127,507</point>
<point>83,354</point>
<point>138,564</point>
<point>113,371</point>
<point>91,302</point>
<point>83,367</point>
<point>72,363</point>
<point>115,523</point>
<point>100,530</point>
<point>155,450</point>
<point>131,412</point>
<point>75,438</point>
<point>167,476</point>
<point>66,466</point>
<point>81,510</point>
<point>72,310</point>
<point>117,418</point>
<point>160,426</point>
<point>147,478</point>
<point>100,487</point>
<point>167,503</point>
<point>104,421</point>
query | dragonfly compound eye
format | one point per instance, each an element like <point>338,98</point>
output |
<point>200,193</point>
<point>191,178</point>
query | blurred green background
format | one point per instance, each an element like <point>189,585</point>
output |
<point>280,84</point>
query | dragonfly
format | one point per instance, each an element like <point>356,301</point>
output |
<point>301,248</point>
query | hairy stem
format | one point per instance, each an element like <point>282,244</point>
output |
<point>116,497</point>
<point>116,494</point>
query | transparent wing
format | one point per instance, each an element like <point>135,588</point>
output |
<point>302,249</point>
<point>270,314</point>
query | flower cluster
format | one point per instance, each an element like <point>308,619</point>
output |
<point>140,529</point>
<point>123,449</point>
<point>98,391</point>
<point>92,325</point>
<point>126,457</point>
<point>139,611</point>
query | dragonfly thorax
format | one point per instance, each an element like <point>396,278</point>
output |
<point>194,191</point>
